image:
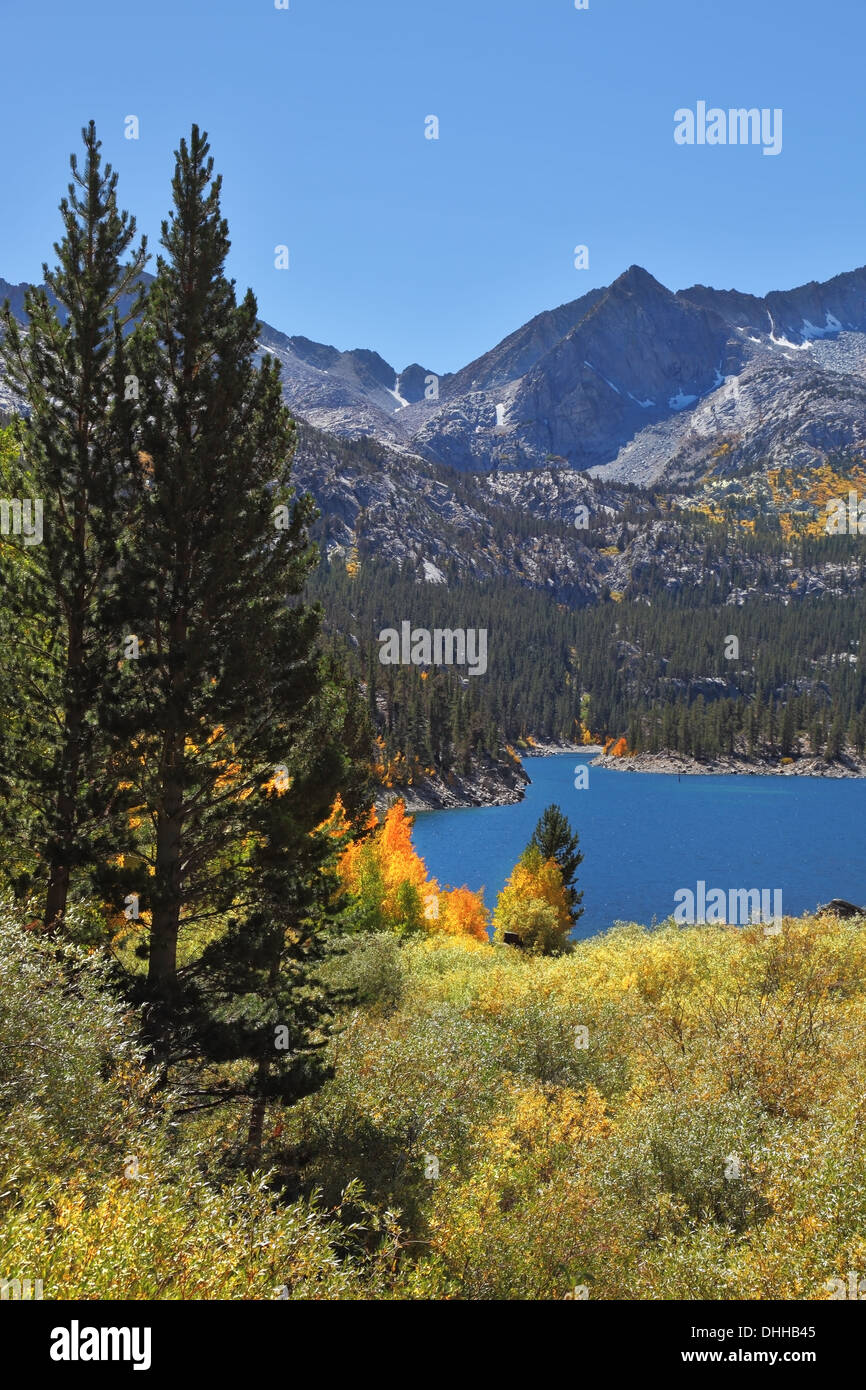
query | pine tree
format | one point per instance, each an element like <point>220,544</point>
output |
<point>789,730</point>
<point>554,837</point>
<point>835,738</point>
<point>233,729</point>
<point>254,995</point>
<point>372,709</point>
<point>69,364</point>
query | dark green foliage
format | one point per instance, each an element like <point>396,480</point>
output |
<point>653,671</point>
<point>554,837</point>
<point>69,363</point>
<point>177,734</point>
<point>232,731</point>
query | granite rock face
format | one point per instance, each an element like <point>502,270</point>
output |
<point>632,379</point>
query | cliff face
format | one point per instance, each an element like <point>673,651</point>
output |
<point>489,782</point>
<point>575,537</point>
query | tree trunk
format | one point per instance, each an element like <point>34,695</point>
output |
<point>167,885</point>
<point>255,1134</point>
<point>61,853</point>
<point>162,965</point>
<point>56,896</point>
<point>256,1131</point>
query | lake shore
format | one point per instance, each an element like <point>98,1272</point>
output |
<point>679,764</point>
<point>493,784</point>
<point>497,784</point>
<point>487,784</point>
<point>552,750</point>
<point>800,834</point>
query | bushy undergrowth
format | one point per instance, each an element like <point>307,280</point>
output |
<point>667,1114</point>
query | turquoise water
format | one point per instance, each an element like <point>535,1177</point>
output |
<point>646,835</point>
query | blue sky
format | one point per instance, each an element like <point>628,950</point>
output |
<point>556,129</point>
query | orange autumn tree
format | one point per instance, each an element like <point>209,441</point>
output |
<point>616,747</point>
<point>533,905</point>
<point>388,882</point>
<point>462,913</point>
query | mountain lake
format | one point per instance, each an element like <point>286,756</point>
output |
<point>644,836</point>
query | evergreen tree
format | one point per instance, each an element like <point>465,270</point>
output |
<point>234,730</point>
<point>254,995</point>
<point>554,837</point>
<point>835,738</point>
<point>69,364</point>
<point>789,730</point>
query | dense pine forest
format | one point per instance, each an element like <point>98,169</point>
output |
<point>657,670</point>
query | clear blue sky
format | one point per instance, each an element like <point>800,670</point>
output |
<point>556,128</point>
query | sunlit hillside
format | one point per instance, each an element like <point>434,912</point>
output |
<point>667,1114</point>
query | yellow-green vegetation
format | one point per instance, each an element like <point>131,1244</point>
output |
<point>662,1114</point>
<point>802,499</point>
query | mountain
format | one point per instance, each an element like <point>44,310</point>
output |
<point>701,395</point>
<point>633,382</point>
<point>623,381</point>
<point>618,479</point>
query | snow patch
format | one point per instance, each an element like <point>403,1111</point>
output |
<point>680,401</point>
<point>831,325</point>
<point>432,574</point>
<point>604,378</point>
<point>784,342</point>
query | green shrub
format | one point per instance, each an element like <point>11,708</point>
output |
<point>372,971</point>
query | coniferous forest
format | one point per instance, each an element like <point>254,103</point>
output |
<point>655,673</point>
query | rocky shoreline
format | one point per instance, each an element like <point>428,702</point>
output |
<point>494,784</point>
<point>550,750</point>
<point>497,784</point>
<point>847,766</point>
<point>489,784</point>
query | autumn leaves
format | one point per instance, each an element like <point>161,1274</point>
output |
<point>391,890</point>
